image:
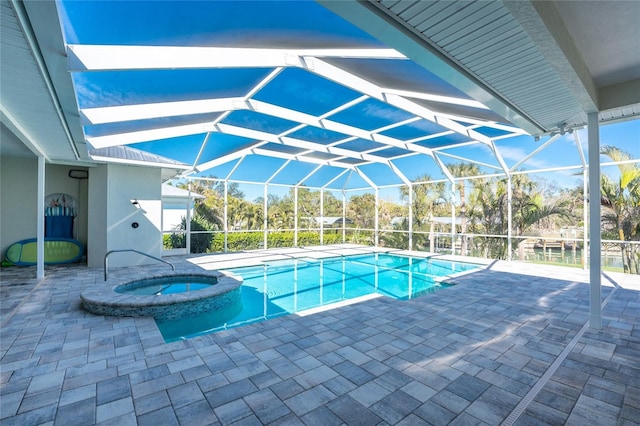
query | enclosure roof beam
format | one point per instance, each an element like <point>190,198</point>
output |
<point>301,181</point>
<point>234,168</point>
<point>366,178</point>
<point>444,168</point>
<point>576,139</point>
<point>229,157</point>
<point>535,151</point>
<point>87,57</point>
<point>399,173</point>
<point>435,98</point>
<point>334,179</point>
<point>201,150</point>
<point>303,158</point>
<point>457,157</point>
<point>498,156</point>
<point>277,172</point>
<point>298,143</point>
<point>105,115</point>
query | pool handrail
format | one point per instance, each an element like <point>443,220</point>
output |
<point>106,256</point>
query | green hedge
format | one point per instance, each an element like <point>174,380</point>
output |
<point>238,241</point>
<point>200,242</point>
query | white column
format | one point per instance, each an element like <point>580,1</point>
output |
<point>40,221</point>
<point>376,227</point>
<point>344,214</point>
<point>509,216</point>
<point>410,217</point>
<point>226,215</point>
<point>295,217</point>
<point>187,225</point>
<point>453,217</point>
<point>321,216</point>
<point>264,216</point>
<point>585,217</point>
<point>595,319</point>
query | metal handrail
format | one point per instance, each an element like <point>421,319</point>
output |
<point>134,251</point>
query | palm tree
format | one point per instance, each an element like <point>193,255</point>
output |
<point>279,212</point>
<point>489,209</point>
<point>428,200</point>
<point>487,213</point>
<point>462,170</point>
<point>210,213</point>
<point>622,200</point>
<point>362,209</point>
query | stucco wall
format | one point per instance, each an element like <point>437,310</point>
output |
<point>105,212</point>
<point>18,199</point>
<point>97,216</point>
<point>113,220</point>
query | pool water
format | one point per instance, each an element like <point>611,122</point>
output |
<point>164,286</point>
<point>290,286</point>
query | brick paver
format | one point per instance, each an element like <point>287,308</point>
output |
<point>464,355</point>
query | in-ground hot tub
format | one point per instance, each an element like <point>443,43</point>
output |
<point>167,296</point>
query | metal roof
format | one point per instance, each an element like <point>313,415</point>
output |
<point>327,94</point>
<point>173,192</point>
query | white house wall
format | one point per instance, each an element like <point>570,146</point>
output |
<point>173,213</point>
<point>18,199</point>
<point>105,213</point>
<point>97,216</point>
<point>126,183</point>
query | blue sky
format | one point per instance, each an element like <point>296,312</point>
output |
<point>294,24</point>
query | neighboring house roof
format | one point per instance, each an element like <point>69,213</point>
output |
<point>397,220</point>
<point>132,156</point>
<point>329,220</point>
<point>114,153</point>
<point>332,220</point>
<point>170,191</point>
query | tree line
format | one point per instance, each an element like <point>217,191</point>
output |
<point>538,206</point>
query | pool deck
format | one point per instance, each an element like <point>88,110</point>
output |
<point>509,344</point>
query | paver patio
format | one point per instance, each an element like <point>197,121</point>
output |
<point>507,344</point>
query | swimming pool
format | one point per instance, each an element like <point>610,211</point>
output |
<point>283,287</point>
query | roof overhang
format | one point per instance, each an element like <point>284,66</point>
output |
<point>546,63</point>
